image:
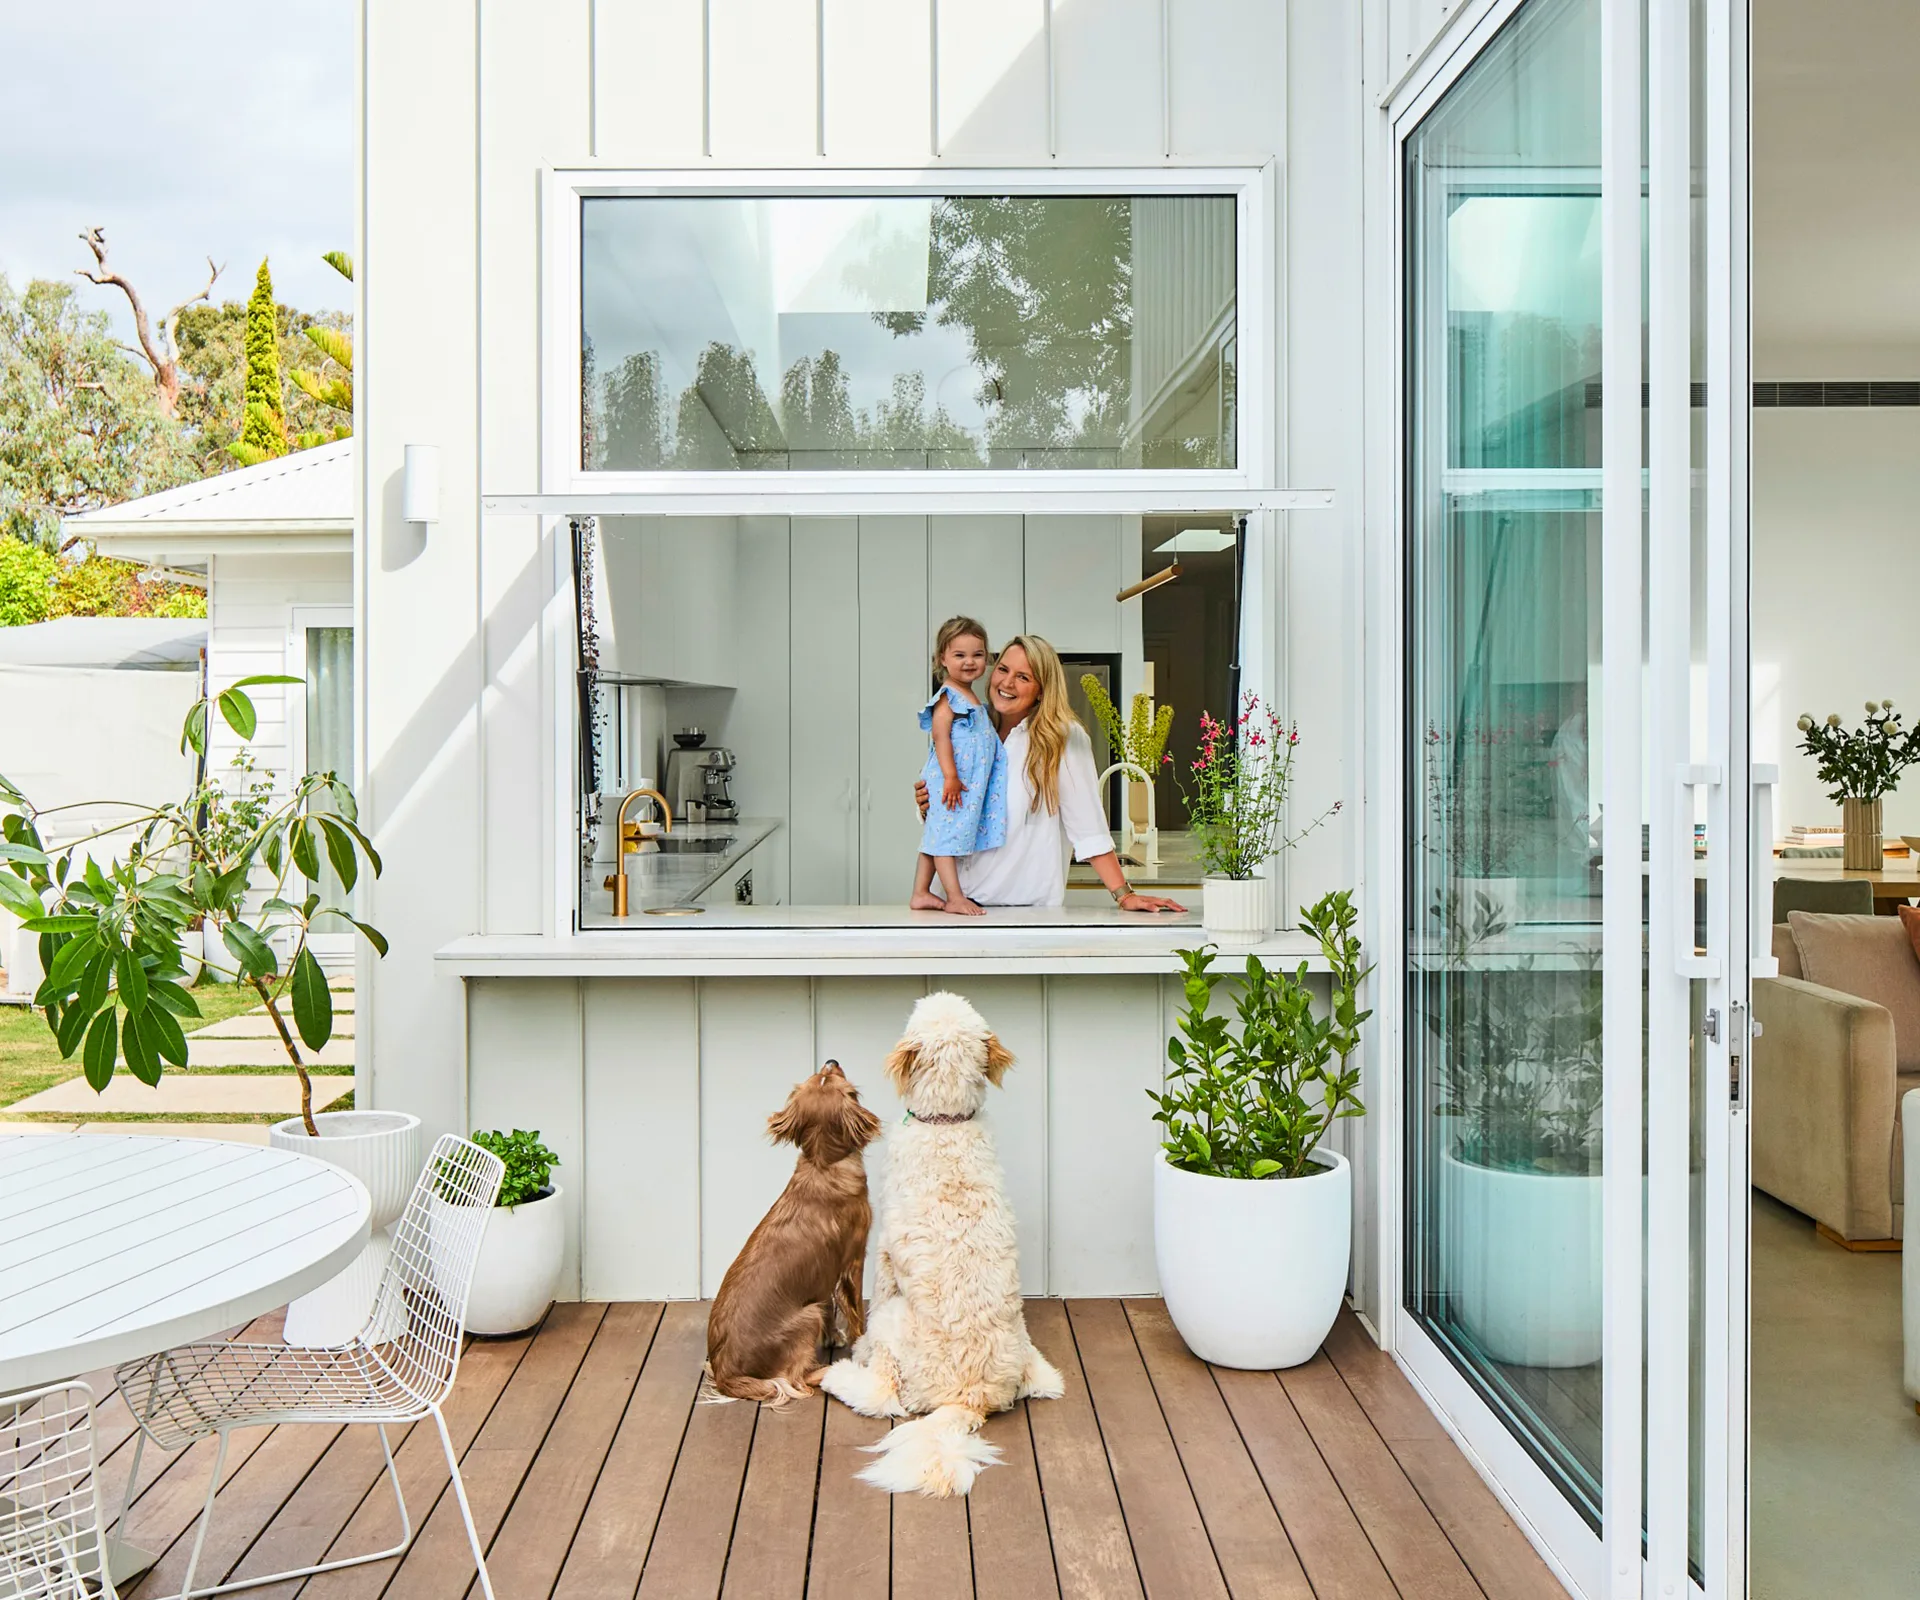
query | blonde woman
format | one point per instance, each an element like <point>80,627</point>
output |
<point>1053,792</point>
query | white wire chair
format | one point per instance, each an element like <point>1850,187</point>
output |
<point>195,1390</point>
<point>52,1545</point>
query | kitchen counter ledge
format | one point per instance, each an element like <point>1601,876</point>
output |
<point>852,941</point>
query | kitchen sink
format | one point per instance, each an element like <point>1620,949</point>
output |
<point>673,845</point>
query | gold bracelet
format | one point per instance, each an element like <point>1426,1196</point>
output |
<point>1122,892</point>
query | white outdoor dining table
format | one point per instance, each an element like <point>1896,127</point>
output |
<point>116,1246</point>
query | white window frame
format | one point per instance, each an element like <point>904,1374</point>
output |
<point>569,489</point>
<point>330,939</point>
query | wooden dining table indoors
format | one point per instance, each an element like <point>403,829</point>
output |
<point>1895,881</point>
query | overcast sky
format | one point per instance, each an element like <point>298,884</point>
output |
<point>185,128</point>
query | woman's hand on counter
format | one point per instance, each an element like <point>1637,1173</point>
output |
<point>1149,902</point>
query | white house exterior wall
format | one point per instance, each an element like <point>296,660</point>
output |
<point>463,107</point>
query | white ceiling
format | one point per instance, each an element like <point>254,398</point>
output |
<point>1836,181</point>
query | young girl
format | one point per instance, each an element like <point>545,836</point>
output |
<point>966,772</point>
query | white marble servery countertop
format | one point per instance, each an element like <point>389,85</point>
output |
<point>664,878</point>
<point>758,941</point>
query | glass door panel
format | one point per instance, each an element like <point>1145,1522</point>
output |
<point>1505,862</point>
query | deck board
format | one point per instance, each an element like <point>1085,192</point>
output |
<point>595,1475</point>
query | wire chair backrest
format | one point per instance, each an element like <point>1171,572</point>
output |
<point>50,1537</point>
<point>420,1312</point>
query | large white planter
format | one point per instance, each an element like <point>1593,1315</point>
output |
<point>382,1150</point>
<point>1525,1262</point>
<point>519,1266</point>
<point>1235,911</point>
<point>1253,1270</point>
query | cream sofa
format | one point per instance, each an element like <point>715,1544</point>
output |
<point>1827,1083</point>
<point>1910,1261</point>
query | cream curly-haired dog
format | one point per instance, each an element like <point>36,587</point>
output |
<point>946,1340</point>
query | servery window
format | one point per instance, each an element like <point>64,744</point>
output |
<point>908,333</point>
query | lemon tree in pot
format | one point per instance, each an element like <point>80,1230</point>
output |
<point>520,1253</point>
<point>1252,1219</point>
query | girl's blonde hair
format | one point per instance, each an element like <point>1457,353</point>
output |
<point>956,628</point>
<point>1049,721</point>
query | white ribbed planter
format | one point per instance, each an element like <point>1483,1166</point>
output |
<point>1524,1262</point>
<point>190,962</point>
<point>382,1150</point>
<point>1235,911</point>
<point>1253,1269</point>
<point>519,1266</point>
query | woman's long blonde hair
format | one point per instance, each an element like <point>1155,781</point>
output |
<point>1048,722</point>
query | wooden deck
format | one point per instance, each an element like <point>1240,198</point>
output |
<point>593,1475</point>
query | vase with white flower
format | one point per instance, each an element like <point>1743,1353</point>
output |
<point>1236,793</point>
<point>1860,766</point>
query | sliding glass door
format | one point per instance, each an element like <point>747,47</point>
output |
<point>1571,1279</point>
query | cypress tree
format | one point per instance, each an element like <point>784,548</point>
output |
<point>263,434</point>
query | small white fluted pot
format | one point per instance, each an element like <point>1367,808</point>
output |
<point>1524,1262</point>
<point>519,1266</point>
<point>1253,1270</point>
<point>1235,912</point>
<point>382,1150</point>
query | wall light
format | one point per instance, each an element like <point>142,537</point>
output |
<point>420,484</point>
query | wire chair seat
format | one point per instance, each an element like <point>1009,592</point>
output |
<point>198,1389</point>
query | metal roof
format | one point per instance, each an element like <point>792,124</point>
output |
<point>298,501</point>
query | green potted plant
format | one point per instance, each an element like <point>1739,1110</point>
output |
<point>520,1254</point>
<point>1860,766</point>
<point>1473,781</point>
<point>1252,1219</point>
<point>111,939</point>
<point>1519,1133</point>
<point>1236,794</point>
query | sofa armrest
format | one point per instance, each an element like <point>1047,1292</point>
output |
<point>1824,1085</point>
<point>1910,1260</point>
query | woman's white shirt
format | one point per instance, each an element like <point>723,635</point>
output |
<point>1030,869</point>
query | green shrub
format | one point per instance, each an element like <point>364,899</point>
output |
<point>528,1163</point>
<point>27,574</point>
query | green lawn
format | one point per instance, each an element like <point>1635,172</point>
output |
<point>30,1059</point>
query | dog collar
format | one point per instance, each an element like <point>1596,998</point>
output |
<point>942,1121</point>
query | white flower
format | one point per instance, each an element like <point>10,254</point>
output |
<point>1872,706</point>
<point>1886,705</point>
<point>1804,724</point>
<point>1833,719</point>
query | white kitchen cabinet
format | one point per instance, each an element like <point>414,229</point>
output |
<point>896,673</point>
<point>976,567</point>
<point>1074,568</point>
<point>823,678</point>
<point>745,883</point>
<point>670,614</point>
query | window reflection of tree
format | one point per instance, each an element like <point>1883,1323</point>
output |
<point>1041,289</point>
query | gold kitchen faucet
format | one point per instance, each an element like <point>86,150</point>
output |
<point>629,836</point>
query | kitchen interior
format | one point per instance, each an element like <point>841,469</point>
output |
<point>763,676</point>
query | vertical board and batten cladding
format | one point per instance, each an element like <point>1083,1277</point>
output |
<point>462,108</point>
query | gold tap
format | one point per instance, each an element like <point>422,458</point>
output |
<point>628,842</point>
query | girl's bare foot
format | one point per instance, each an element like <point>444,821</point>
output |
<point>925,901</point>
<point>963,907</point>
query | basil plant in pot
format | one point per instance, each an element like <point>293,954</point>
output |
<point>1252,1219</point>
<point>520,1253</point>
<point>248,869</point>
<point>1236,795</point>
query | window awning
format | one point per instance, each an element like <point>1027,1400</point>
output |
<point>1034,498</point>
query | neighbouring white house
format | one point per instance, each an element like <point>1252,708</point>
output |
<point>711,355</point>
<point>272,545</point>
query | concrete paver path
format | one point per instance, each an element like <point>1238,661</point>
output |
<point>179,1092</point>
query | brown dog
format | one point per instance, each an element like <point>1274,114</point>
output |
<point>772,1312</point>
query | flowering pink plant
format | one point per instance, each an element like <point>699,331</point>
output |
<point>1237,799</point>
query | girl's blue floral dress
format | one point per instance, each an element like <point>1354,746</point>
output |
<point>980,820</point>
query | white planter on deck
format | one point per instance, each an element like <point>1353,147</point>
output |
<point>519,1266</point>
<point>382,1150</point>
<point>1253,1269</point>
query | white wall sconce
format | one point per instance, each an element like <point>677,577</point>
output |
<point>420,484</point>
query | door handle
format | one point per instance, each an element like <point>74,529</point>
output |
<point>1688,965</point>
<point>1761,961</point>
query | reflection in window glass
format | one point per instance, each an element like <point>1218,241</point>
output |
<point>908,332</point>
<point>1504,863</point>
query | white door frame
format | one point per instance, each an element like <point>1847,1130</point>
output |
<point>1610,1565</point>
<point>335,946</point>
